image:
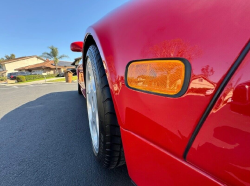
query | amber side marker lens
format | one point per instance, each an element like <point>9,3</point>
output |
<point>157,76</point>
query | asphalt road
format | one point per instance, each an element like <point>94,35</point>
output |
<point>45,139</point>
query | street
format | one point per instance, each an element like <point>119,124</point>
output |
<point>45,139</point>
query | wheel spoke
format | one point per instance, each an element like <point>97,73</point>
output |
<point>92,106</point>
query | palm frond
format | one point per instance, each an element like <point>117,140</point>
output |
<point>53,51</point>
<point>63,56</point>
<point>46,55</point>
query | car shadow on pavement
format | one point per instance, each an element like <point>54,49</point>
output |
<point>47,142</point>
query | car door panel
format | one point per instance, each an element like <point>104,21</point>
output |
<point>222,148</point>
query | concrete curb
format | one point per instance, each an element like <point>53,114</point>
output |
<point>32,83</point>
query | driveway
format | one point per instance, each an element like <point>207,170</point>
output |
<point>45,140</point>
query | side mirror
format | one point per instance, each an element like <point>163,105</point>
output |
<point>76,46</point>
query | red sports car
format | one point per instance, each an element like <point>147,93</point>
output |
<point>167,89</point>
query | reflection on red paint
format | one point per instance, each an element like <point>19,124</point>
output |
<point>207,71</point>
<point>201,85</point>
<point>116,81</point>
<point>175,48</point>
<point>117,85</point>
<point>225,98</point>
<point>241,99</point>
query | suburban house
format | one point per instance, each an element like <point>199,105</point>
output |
<point>8,66</point>
<point>47,67</point>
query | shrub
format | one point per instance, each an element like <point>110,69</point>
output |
<point>33,77</point>
<point>52,75</point>
<point>3,78</point>
<point>20,79</point>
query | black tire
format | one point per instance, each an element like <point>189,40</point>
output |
<point>79,89</point>
<point>110,152</point>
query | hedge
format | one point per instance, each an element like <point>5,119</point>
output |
<point>3,78</point>
<point>33,77</point>
<point>20,79</point>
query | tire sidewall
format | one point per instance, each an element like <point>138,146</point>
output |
<point>91,55</point>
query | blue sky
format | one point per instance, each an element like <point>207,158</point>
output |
<point>28,27</point>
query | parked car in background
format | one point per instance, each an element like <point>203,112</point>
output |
<point>167,89</point>
<point>73,71</point>
<point>60,74</point>
<point>13,75</point>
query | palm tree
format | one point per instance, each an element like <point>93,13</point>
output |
<point>53,54</point>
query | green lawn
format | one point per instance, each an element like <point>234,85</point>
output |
<point>74,78</point>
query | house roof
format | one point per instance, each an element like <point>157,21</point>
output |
<point>203,77</point>
<point>19,58</point>
<point>64,64</point>
<point>46,64</point>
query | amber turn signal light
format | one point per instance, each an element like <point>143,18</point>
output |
<point>157,76</point>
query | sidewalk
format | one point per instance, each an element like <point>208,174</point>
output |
<point>34,82</point>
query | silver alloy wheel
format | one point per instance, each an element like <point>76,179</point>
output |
<point>92,106</point>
